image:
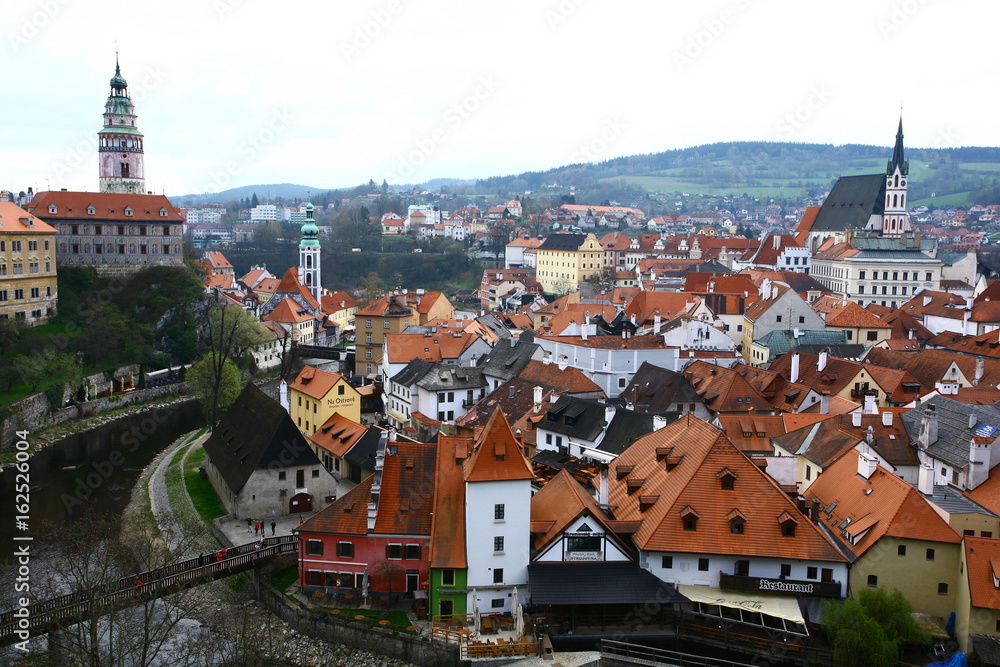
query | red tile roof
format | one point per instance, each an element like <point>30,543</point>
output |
<point>290,283</point>
<point>982,554</point>
<point>13,218</point>
<point>497,454</point>
<point>288,310</point>
<point>315,382</point>
<point>884,502</point>
<point>107,206</point>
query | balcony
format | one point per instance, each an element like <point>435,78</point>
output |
<point>861,393</point>
<point>469,402</point>
<point>735,582</point>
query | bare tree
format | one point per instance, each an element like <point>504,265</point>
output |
<point>228,333</point>
<point>387,569</point>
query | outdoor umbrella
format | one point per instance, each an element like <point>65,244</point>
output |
<point>364,587</point>
<point>475,614</point>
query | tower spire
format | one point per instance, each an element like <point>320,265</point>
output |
<point>897,152</point>
<point>120,147</point>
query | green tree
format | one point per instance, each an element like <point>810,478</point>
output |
<point>228,334</point>
<point>872,629</point>
<point>254,202</point>
<point>48,363</point>
<point>370,289</point>
<point>216,381</point>
<point>11,329</point>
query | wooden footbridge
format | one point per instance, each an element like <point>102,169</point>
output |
<point>47,615</point>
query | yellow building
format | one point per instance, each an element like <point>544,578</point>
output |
<point>315,395</point>
<point>390,315</point>
<point>899,540</point>
<point>977,604</point>
<point>27,266</point>
<point>566,260</point>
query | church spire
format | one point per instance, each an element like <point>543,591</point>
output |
<point>309,269</point>
<point>897,153</point>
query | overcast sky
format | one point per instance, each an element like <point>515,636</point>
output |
<point>331,94</point>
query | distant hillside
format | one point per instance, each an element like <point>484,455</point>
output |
<point>264,192</point>
<point>789,171</point>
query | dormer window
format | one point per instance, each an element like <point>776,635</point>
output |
<point>788,524</point>
<point>689,517</point>
<point>128,211</point>
<point>53,209</point>
<point>727,478</point>
<point>91,210</point>
<point>163,212</point>
<point>737,522</point>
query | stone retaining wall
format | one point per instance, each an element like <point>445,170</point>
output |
<point>408,648</point>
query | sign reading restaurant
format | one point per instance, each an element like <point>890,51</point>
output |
<point>784,586</point>
<point>765,585</point>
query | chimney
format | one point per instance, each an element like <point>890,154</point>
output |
<point>659,421</point>
<point>283,395</point>
<point>980,370</point>
<point>856,419</point>
<point>866,463</point>
<point>979,462</point>
<point>562,362</point>
<point>928,428</point>
<point>821,362</point>
<point>796,332</point>
<point>972,420</point>
<point>870,407</point>
<point>925,480</point>
<point>886,418</point>
<point>912,334</point>
<point>815,511</point>
<point>777,241</point>
<point>824,402</point>
<point>602,491</point>
<point>537,398</point>
<point>583,331</point>
<point>794,375</point>
<point>656,323</point>
<point>927,300</point>
<point>609,415</point>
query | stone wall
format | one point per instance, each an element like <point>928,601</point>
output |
<point>33,412</point>
<point>409,648</point>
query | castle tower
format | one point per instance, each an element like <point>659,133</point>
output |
<point>895,220</point>
<point>120,142</point>
<point>309,255</point>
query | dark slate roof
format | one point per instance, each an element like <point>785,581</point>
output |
<point>852,351</point>
<point>256,433</point>
<point>953,502</point>
<point>444,377</point>
<point>626,428</point>
<point>362,454</point>
<point>653,389</point>
<point>987,648</point>
<point>575,417</point>
<point>852,201</point>
<point>412,372</point>
<point>508,357</point>
<point>606,583</point>
<point>781,341</point>
<point>954,434</point>
<point>563,242</point>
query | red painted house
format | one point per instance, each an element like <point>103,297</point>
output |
<point>382,526</point>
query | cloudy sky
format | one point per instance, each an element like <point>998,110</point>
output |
<point>331,94</point>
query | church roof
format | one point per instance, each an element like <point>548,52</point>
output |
<point>290,283</point>
<point>851,203</point>
<point>107,206</point>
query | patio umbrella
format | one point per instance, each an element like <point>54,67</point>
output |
<point>364,586</point>
<point>515,610</point>
<point>475,614</point>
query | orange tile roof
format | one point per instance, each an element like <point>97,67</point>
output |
<point>846,313</point>
<point>890,506</point>
<point>314,382</point>
<point>337,301</point>
<point>218,260</point>
<point>497,454</point>
<point>288,310</point>
<point>616,342</point>
<point>982,554</point>
<point>290,283</point>
<point>560,502</point>
<point>406,499</point>
<point>569,380</point>
<point>107,206</point>
<point>679,467</point>
<point>338,434</point>
<point>670,304</point>
<point>345,516</point>
<point>448,523</point>
<point>402,348</point>
<point>13,218</point>
<point>725,390</point>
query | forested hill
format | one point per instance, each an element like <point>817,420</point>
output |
<point>764,169</point>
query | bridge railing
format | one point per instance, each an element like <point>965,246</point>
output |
<point>156,582</point>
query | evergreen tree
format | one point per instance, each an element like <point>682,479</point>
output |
<point>254,202</point>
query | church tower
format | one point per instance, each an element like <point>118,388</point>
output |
<point>895,220</point>
<point>120,142</point>
<point>309,255</point>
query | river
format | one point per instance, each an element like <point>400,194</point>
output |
<point>92,471</point>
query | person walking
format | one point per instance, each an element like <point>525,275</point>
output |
<point>256,527</point>
<point>272,526</point>
<point>249,521</point>
<point>201,559</point>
